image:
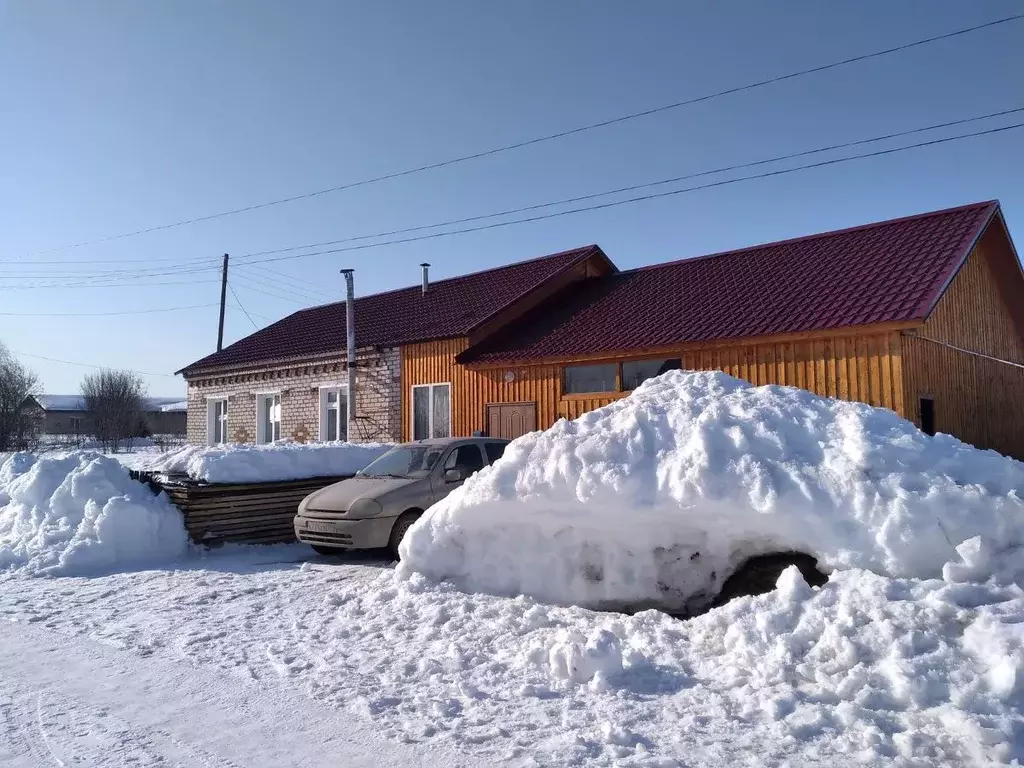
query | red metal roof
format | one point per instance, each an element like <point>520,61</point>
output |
<point>450,308</point>
<point>885,272</point>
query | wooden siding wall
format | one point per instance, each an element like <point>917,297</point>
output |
<point>978,400</point>
<point>433,362</point>
<point>866,368</point>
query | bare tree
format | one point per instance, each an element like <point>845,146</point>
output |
<point>115,400</point>
<point>19,422</point>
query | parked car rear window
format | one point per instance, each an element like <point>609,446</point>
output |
<point>494,451</point>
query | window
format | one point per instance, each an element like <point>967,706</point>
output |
<point>217,421</point>
<point>494,451</point>
<point>333,414</point>
<point>467,458</point>
<point>268,418</point>
<point>928,415</point>
<point>404,461</point>
<point>636,372</point>
<point>580,379</point>
<point>431,411</point>
<point>76,424</point>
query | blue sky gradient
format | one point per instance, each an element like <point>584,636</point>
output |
<point>123,115</point>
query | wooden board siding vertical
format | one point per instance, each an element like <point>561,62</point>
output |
<point>433,362</point>
<point>833,367</point>
<point>978,400</point>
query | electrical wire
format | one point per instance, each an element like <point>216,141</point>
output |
<point>105,314</point>
<point>239,303</point>
<point>256,272</point>
<point>633,187</point>
<point>255,279</point>
<point>88,365</point>
<point>548,137</point>
<point>642,198</point>
<point>273,295</point>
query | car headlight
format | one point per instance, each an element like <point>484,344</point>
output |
<point>364,508</point>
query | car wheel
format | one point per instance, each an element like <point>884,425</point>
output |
<point>398,531</point>
<point>320,549</point>
<point>757,576</point>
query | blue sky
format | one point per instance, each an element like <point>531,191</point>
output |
<point>120,116</point>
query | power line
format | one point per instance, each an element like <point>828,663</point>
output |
<point>298,284</point>
<point>274,291</point>
<point>104,314</point>
<point>633,187</point>
<point>642,198</point>
<point>63,286</point>
<point>256,314</point>
<point>303,293</point>
<point>88,365</point>
<point>547,137</point>
<point>273,295</point>
<point>239,303</point>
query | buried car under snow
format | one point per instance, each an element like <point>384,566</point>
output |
<point>377,506</point>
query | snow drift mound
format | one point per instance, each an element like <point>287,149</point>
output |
<point>242,463</point>
<point>658,497</point>
<point>82,514</point>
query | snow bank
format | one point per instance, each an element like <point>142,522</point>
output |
<point>865,670</point>
<point>661,495</point>
<point>81,514</point>
<point>242,463</point>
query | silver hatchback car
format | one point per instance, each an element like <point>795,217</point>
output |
<point>377,506</point>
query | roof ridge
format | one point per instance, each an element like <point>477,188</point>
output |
<point>416,286</point>
<point>815,236</point>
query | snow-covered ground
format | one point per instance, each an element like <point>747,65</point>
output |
<point>867,669</point>
<point>292,659</point>
<point>70,696</point>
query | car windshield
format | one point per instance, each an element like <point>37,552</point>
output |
<point>404,461</point>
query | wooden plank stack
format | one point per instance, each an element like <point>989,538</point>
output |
<point>251,513</point>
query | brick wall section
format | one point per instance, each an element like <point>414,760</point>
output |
<point>378,397</point>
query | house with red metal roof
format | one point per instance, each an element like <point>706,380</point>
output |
<point>289,379</point>
<point>923,315</point>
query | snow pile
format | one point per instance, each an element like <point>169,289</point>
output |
<point>81,514</point>
<point>866,669</point>
<point>660,496</point>
<point>244,463</point>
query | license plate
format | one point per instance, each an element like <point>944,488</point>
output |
<point>317,526</point>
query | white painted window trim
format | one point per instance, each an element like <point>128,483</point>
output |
<point>211,418</point>
<point>430,407</point>
<point>342,394</point>
<point>260,397</point>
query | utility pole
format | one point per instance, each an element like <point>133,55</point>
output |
<point>350,349</point>
<point>223,301</point>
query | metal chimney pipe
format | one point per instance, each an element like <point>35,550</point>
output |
<point>350,350</point>
<point>426,281</point>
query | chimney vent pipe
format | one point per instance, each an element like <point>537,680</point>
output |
<point>426,279</point>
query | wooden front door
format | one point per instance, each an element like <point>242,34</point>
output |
<point>510,420</point>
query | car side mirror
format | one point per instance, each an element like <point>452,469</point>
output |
<point>453,475</point>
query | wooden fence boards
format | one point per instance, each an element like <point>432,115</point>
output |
<point>253,513</point>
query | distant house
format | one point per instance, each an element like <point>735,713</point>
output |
<point>66,416</point>
<point>923,315</point>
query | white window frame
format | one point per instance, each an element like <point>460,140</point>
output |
<point>342,390</point>
<point>430,408</point>
<point>261,431</point>
<point>211,418</point>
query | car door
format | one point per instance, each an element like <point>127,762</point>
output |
<point>466,457</point>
